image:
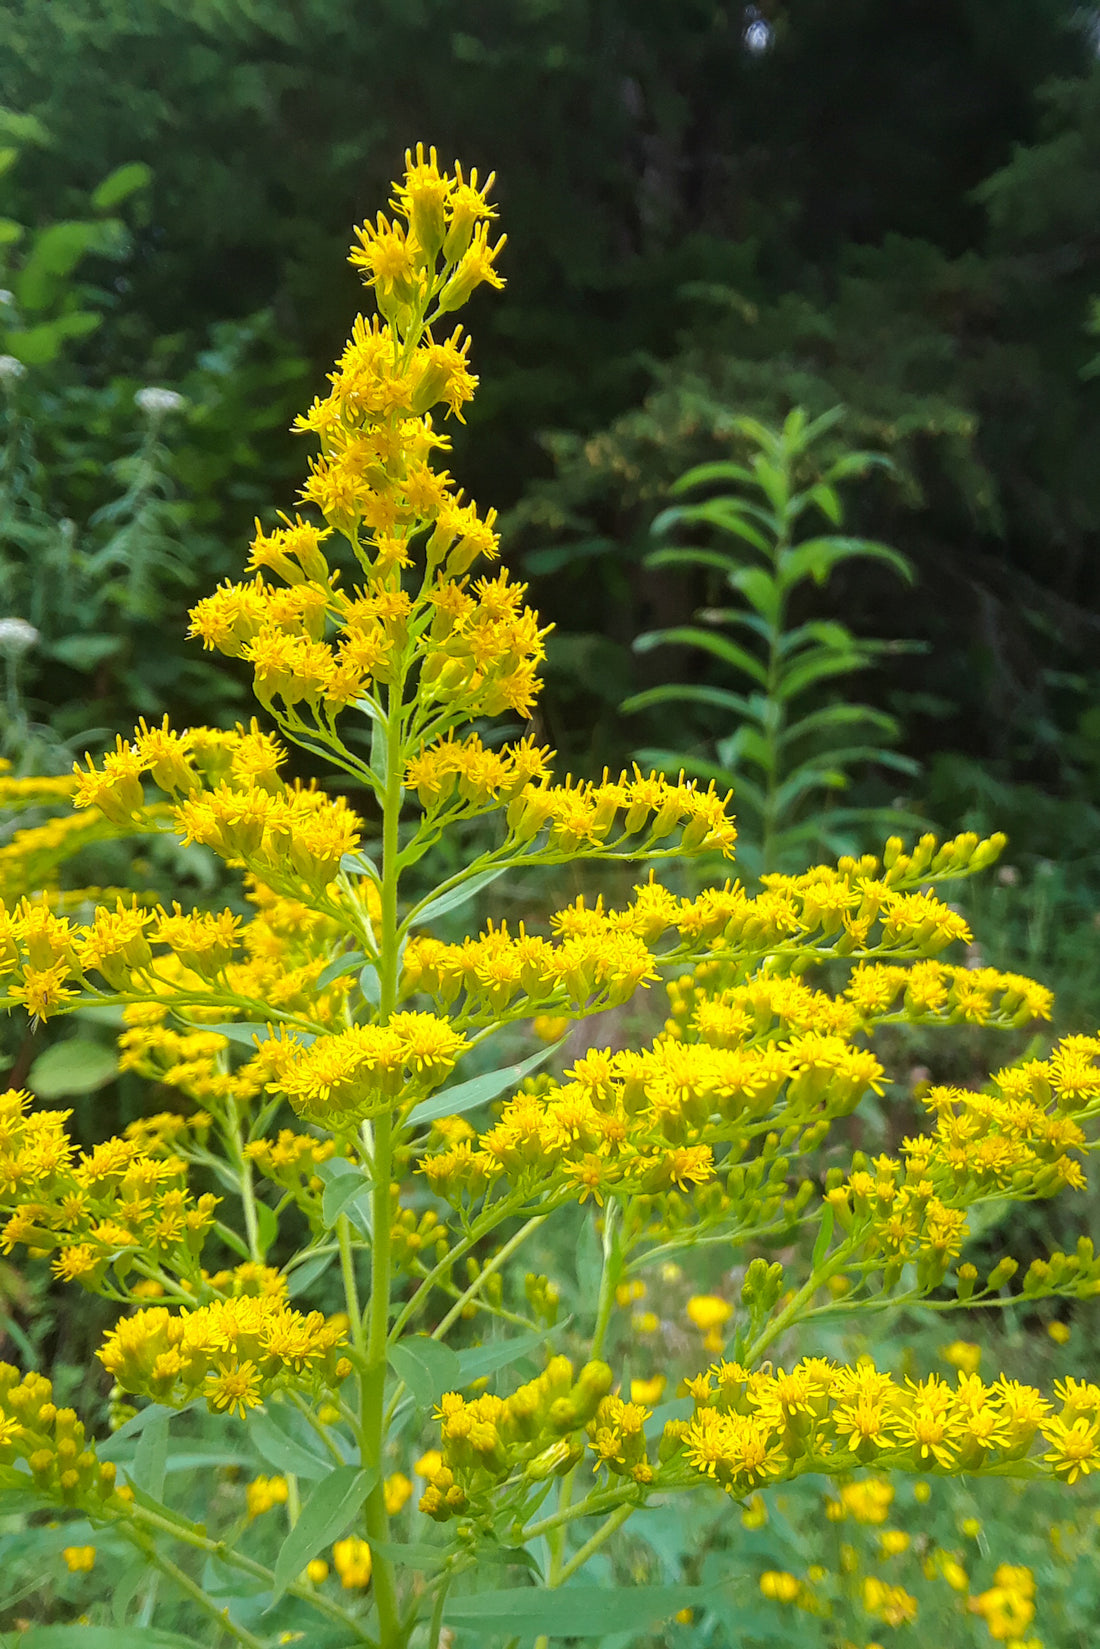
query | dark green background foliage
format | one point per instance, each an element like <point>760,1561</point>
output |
<point>892,209</point>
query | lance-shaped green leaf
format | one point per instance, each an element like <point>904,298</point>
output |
<point>327,1514</point>
<point>100,1637</point>
<point>688,635</point>
<point>271,1433</point>
<point>436,905</point>
<point>452,1102</point>
<point>573,1611</point>
<point>339,966</point>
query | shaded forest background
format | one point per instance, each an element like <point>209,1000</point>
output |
<point>712,210</point>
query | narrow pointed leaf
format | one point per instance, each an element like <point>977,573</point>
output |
<point>439,904</point>
<point>339,966</point>
<point>452,1102</point>
<point>270,1435</point>
<point>717,697</point>
<point>347,1193</point>
<point>706,474</point>
<point>689,558</point>
<point>478,1362</point>
<point>101,1637</point>
<point>573,1611</point>
<point>824,1236</point>
<point>687,635</point>
<point>817,667</point>
<point>328,1513</point>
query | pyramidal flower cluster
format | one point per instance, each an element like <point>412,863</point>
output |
<point>313,1036</point>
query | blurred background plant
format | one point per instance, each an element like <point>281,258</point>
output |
<point>765,550</point>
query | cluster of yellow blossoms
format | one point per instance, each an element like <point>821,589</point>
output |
<point>232,1352</point>
<point>97,1209</point>
<point>532,1431</point>
<point>752,1428</point>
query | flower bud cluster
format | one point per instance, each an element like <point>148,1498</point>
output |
<point>459,778</point>
<point>919,993</point>
<point>495,975</point>
<point>229,798</point>
<point>49,1443</point>
<point>291,1162</point>
<point>534,1432</point>
<point>233,1352</point>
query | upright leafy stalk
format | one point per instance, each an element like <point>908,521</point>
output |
<point>381,1168</point>
<point>779,767</point>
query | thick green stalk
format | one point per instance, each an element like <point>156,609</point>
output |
<point>610,1276</point>
<point>373,1378</point>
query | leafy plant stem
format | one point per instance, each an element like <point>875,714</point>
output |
<point>228,1554</point>
<point>373,1378</point>
<point>609,1276</point>
<point>248,1194</point>
<point>435,1629</point>
<point>495,1263</point>
<point>775,716</point>
<point>191,1588</point>
<point>606,1529</point>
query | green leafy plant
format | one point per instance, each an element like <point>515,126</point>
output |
<point>789,749</point>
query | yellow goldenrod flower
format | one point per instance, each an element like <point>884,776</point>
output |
<point>1059,1331</point>
<point>777,1584</point>
<point>963,1354</point>
<point>263,1493</point>
<point>708,1312</point>
<point>398,1488</point>
<point>352,1561</point>
<point>317,1570</point>
<point>79,1559</point>
<point>892,1604</point>
<point>648,1392</point>
<point>1008,1606</point>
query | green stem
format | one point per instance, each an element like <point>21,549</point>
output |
<point>244,1170</point>
<point>194,1591</point>
<point>501,1256</point>
<point>481,1228</point>
<point>372,1383</point>
<point>609,1276</point>
<point>351,1285</point>
<point>793,1309</point>
<point>775,714</point>
<point>604,1532</point>
<point>435,1629</point>
<point>189,1536</point>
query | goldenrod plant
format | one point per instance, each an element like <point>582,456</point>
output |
<point>333,1060</point>
<point>788,753</point>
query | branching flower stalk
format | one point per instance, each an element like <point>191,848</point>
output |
<point>316,1050</point>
